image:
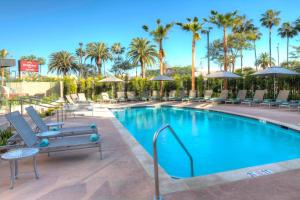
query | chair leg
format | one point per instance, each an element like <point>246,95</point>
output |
<point>100,151</point>
<point>35,167</point>
<point>16,169</point>
<point>12,173</point>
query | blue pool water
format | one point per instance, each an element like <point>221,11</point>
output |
<point>217,142</point>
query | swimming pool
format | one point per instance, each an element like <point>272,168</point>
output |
<point>217,141</point>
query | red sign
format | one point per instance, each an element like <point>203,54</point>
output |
<point>29,66</point>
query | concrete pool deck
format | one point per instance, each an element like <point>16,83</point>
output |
<point>81,175</point>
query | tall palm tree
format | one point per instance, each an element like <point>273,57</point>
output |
<point>194,27</point>
<point>243,34</point>
<point>264,61</point>
<point>207,32</point>
<point>3,54</point>
<point>98,52</point>
<point>287,31</point>
<point>80,53</point>
<point>159,34</point>
<point>269,19</point>
<point>254,36</point>
<point>143,52</point>
<point>117,49</point>
<point>62,62</point>
<point>225,21</point>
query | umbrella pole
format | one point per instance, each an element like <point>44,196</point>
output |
<point>161,89</point>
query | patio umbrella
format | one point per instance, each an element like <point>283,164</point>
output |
<point>223,75</point>
<point>276,72</point>
<point>111,79</point>
<point>161,78</point>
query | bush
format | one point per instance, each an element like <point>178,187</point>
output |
<point>70,86</point>
<point>4,136</point>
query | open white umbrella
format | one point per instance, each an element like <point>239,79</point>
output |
<point>111,79</point>
<point>223,75</point>
<point>161,78</point>
<point>276,72</point>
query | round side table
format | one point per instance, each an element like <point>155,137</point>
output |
<point>18,154</point>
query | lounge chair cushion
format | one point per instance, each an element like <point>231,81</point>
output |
<point>93,126</point>
<point>94,137</point>
<point>44,142</point>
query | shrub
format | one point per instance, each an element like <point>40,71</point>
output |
<point>4,136</point>
<point>70,86</point>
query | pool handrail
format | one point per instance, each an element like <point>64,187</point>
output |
<point>155,162</point>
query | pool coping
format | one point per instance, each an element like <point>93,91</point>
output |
<point>169,184</point>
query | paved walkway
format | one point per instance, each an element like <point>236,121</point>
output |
<point>119,176</point>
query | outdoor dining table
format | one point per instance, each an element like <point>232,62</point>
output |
<point>19,154</point>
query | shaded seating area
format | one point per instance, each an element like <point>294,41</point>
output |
<point>190,97</point>
<point>131,96</point>
<point>121,97</point>
<point>221,99</point>
<point>241,96</point>
<point>107,99</point>
<point>257,98</point>
<point>282,98</point>
<point>206,97</point>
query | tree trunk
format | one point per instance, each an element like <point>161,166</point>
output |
<point>2,81</point>
<point>193,64</point>
<point>225,55</point>
<point>143,71</point>
<point>161,57</point>
<point>99,65</point>
<point>270,46</point>
<point>287,50</point>
<point>255,55</point>
<point>241,54</point>
<point>208,54</point>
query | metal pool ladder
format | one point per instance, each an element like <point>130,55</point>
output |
<point>157,195</point>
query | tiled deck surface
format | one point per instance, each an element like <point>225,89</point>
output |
<point>82,175</point>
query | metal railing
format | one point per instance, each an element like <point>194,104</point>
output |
<point>155,160</point>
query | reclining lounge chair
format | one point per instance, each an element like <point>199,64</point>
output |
<point>62,144</point>
<point>69,131</point>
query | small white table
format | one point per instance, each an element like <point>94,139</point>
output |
<point>18,154</point>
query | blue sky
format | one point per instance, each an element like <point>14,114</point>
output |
<point>42,27</point>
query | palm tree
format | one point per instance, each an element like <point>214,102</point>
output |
<point>143,52</point>
<point>159,34</point>
<point>254,36</point>
<point>207,32</point>
<point>243,34</point>
<point>287,31</point>
<point>269,19</point>
<point>264,61</point>
<point>98,52</point>
<point>194,27</point>
<point>62,62</point>
<point>3,54</point>
<point>80,53</point>
<point>117,49</point>
<point>225,21</point>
